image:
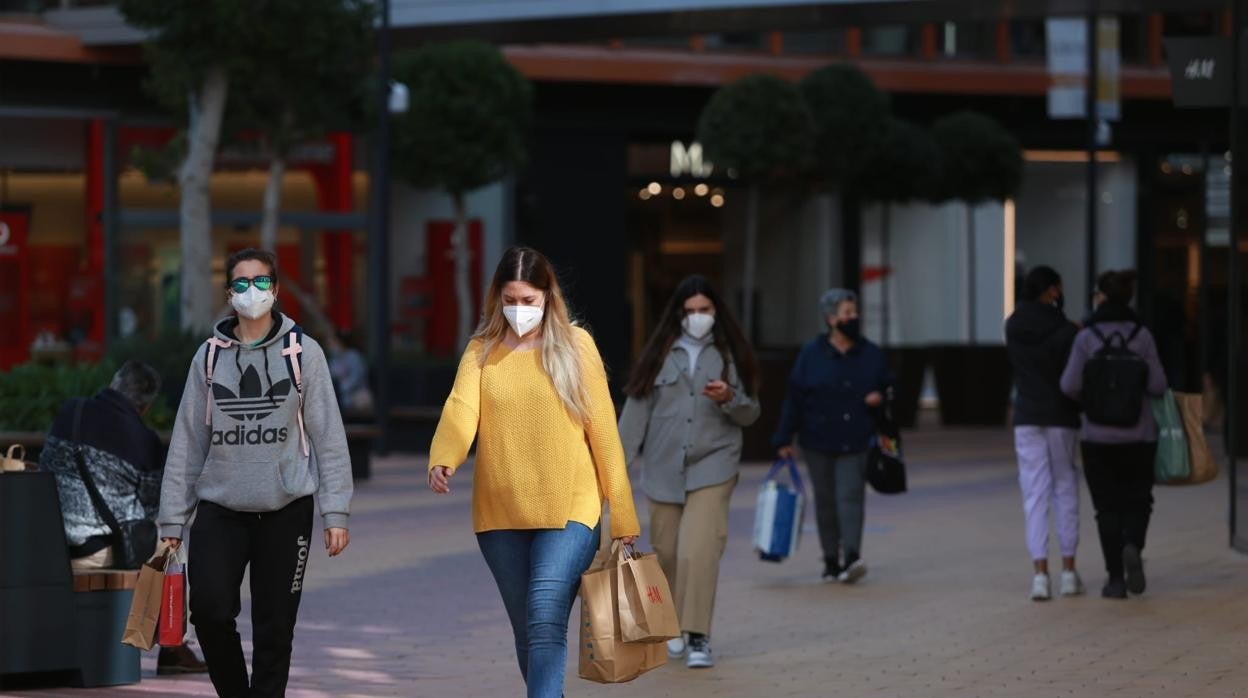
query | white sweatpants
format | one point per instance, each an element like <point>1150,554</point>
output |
<point>1046,470</point>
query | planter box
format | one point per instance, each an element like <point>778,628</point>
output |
<point>909,366</point>
<point>973,383</point>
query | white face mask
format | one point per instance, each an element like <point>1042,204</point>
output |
<point>523,318</point>
<point>254,304</point>
<point>698,325</point>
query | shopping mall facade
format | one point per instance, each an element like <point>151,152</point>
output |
<point>616,190</point>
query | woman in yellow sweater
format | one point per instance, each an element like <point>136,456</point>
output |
<point>532,390</point>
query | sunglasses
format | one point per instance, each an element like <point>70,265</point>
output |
<point>242,283</point>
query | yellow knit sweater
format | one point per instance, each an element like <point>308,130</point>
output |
<point>536,467</point>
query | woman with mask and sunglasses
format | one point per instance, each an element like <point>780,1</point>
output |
<point>692,391</point>
<point>259,401</point>
<point>840,378</point>
<point>532,391</point>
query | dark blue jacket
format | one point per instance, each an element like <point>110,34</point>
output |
<point>825,405</point>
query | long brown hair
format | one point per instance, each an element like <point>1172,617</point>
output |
<point>728,339</point>
<point>561,356</point>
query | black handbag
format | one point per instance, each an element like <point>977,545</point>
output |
<point>133,541</point>
<point>886,471</point>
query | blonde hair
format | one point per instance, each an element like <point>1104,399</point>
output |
<point>561,353</point>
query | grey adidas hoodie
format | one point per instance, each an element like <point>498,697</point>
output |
<point>250,458</point>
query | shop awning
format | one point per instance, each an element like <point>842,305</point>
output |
<point>515,21</point>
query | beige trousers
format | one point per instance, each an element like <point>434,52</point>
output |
<point>99,560</point>
<point>690,539</point>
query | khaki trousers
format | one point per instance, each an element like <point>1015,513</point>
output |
<point>99,560</point>
<point>690,539</point>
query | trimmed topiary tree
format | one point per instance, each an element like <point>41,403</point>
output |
<point>904,166</point>
<point>468,126</point>
<point>979,161</point>
<point>760,130</point>
<point>851,121</point>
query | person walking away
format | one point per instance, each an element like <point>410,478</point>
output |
<point>1113,366</point>
<point>838,381</point>
<point>125,459</point>
<point>258,434</point>
<point>1038,337</point>
<point>692,391</point>
<point>532,391</point>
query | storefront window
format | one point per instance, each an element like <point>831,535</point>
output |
<point>737,41</point>
<point>1027,39</point>
<point>896,40</point>
<point>819,43</point>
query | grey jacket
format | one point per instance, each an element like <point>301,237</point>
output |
<point>684,440</point>
<point>251,457</point>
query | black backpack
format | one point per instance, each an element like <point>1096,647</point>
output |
<point>1115,381</point>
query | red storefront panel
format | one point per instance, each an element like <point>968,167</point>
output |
<point>14,286</point>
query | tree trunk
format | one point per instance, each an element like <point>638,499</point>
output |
<point>463,289</point>
<point>971,281</point>
<point>886,273</point>
<point>199,298</point>
<point>751,242</point>
<point>272,203</point>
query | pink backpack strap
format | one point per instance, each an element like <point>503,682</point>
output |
<point>291,352</point>
<point>210,360</point>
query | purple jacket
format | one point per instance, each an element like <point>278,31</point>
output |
<point>1087,344</point>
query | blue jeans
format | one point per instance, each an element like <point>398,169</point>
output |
<point>538,573</point>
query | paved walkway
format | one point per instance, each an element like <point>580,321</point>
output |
<point>411,609</point>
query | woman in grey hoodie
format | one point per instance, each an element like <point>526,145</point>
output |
<point>1118,460</point>
<point>257,435</point>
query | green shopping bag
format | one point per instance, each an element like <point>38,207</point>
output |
<point>1173,463</point>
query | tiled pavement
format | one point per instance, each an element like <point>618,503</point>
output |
<point>411,610</point>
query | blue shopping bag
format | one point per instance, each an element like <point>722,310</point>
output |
<point>778,514</point>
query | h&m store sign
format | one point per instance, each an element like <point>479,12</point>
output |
<point>1200,72</point>
<point>677,159</point>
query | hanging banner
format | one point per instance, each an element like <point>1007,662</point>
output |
<point>1068,68</point>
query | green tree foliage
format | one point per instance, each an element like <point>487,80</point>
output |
<point>308,64</point>
<point>851,121</point>
<point>980,159</point>
<point>469,119</point>
<point>758,128</point>
<point>905,166</point>
<point>467,126</point>
<point>190,39</point>
<point>32,394</point>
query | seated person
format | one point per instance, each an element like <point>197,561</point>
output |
<point>126,459</point>
<point>349,370</point>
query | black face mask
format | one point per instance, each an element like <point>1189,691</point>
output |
<point>852,329</point>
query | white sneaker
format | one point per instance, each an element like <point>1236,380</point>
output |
<point>700,653</point>
<point>676,648</point>
<point>1072,585</point>
<point>1040,587</point>
<point>856,570</point>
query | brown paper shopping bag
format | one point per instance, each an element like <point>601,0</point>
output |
<point>604,656</point>
<point>1204,467</point>
<point>647,611</point>
<point>145,606</point>
<point>13,460</point>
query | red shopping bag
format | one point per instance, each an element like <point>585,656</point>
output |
<point>173,605</point>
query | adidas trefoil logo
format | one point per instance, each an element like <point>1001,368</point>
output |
<point>251,403</point>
